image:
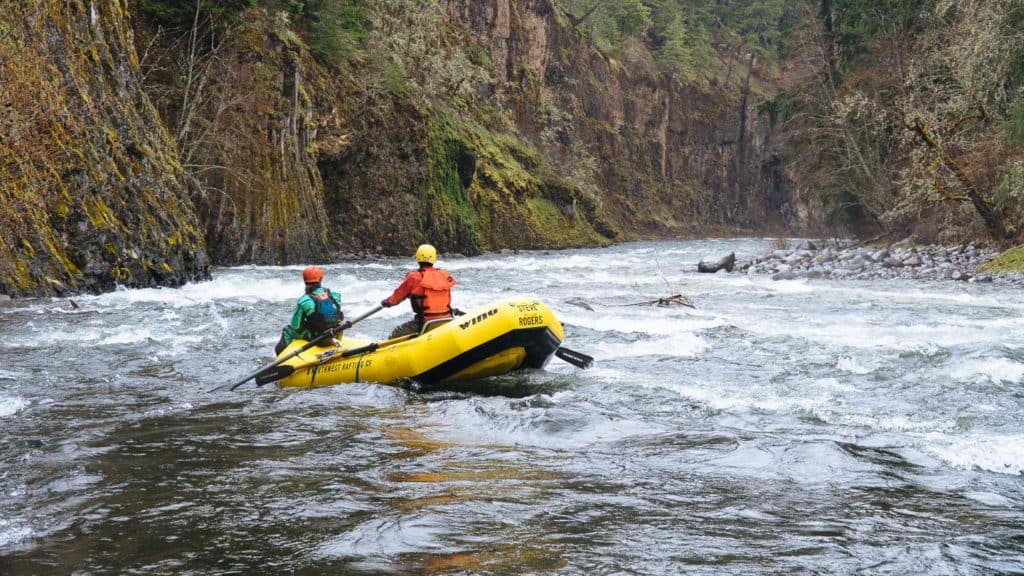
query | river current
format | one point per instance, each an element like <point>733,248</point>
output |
<point>804,426</point>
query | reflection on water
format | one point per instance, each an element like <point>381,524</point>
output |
<point>813,427</point>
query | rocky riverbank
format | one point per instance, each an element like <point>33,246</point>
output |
<point>858,262</point>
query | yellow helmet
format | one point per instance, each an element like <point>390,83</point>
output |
<point>426,253</point>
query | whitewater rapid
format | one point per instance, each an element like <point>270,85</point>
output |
<point>795,425</point>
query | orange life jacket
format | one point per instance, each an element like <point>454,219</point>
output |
<point>433,297</point>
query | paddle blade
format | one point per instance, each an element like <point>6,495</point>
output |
<point>273,374</point>
<point>577,359</point>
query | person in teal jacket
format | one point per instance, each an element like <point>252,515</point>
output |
<point>316,311</point>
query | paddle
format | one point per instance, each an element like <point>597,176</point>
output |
<point>577,359</point>
<point>265,376</point>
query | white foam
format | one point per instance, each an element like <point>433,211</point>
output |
<point>746,399</point>
<point>660,323</point>
<point>994,369</point>
<point>11,406</point>
<point>989,498</point>
<point>525,262</point>
<point>166,410</point>
<point>682,345</point>
<point>13,531</point>
<point>882,423</point>
<point>1000,453</point>
<point>792,287</point>
<point>859,332</point>
<point>273,284</point>
<point>848,364</point>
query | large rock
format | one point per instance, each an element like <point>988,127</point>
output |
<point>711,266</point>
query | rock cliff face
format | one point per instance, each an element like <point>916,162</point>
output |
<point>116,171</point>
<point>91,191</point>
<point>584,150</point>
<point>659,156</point>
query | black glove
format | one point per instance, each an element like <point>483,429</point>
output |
<point>384,303</point>
<point>344,326</point>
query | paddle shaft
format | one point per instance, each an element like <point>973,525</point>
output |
<point>326,334</point>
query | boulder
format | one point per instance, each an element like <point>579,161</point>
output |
<point>711,266</point>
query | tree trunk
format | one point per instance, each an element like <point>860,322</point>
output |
<point>992,220</point>
<point>825,13</point>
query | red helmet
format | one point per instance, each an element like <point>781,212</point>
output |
<point>312,274</point>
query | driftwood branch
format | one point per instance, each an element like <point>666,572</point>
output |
<point>666,302</point>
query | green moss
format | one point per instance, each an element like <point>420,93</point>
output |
<point>100,215</point>
<point>545,213</point>
<point>1010,261</point>
<point>478,55</point>
<point>61,209</point>
<point>491,189</point>
<point>22,279</point>
<point>69,268</point>
<point>452,162</point>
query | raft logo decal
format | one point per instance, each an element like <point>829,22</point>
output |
<point>478,318</point>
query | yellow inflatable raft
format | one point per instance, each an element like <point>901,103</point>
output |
<point>500,337</point>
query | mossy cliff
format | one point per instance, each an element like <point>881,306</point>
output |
<point>473,125</point>
<point>131,148</point>
<point>557,146</point>
<point>661,156</point>
<point>91,193</point>
<point>425,176</point>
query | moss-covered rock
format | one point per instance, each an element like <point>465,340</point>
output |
<point>1011,260</point>
<point>90,188</point>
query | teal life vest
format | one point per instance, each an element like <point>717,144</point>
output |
<point>326,313</point>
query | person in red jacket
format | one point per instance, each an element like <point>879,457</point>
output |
<point>428,289</point>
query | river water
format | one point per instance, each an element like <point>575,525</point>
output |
<point>795,426</point>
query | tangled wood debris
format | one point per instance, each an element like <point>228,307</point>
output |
<point>666,302</point>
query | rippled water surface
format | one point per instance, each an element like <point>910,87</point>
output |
<point>797,426</point>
